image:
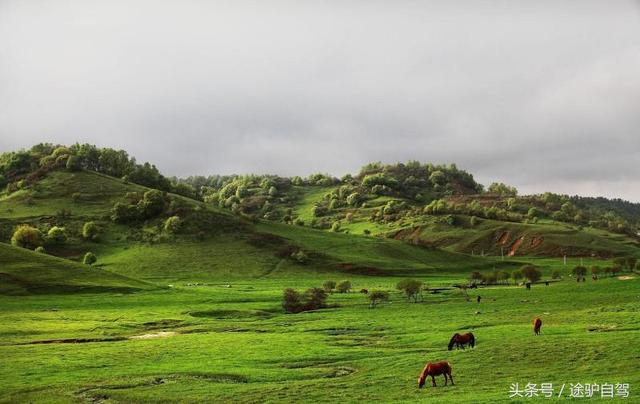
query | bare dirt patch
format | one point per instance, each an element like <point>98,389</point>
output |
<point>626,277</point>
<point>152,335</point>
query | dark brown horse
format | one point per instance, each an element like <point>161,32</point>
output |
<point>537,324</point>
<point>460,340</point>
<point>433,370</point>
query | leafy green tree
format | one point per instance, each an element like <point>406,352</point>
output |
<point>57,235</point>
<point>27,237</point>
<point>377,296</point>
<point>438,178</point>
<point>531,273</point>
<point>314,298</point>
<point>153,203</point>
<point>343,286</point>
<point>89,259</point>
<point>90,231</point>
<point>329,286</point>
<point>411,288</point>
<point>579,272</point>
<point>73,163</point>
<point>353,199</point>
<point>172,224</point>
<point>291,301</point>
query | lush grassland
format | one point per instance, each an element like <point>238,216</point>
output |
<point>234,343</point>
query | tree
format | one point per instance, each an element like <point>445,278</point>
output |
<point>531,273</point>
<point>73,163</point>
<point>291,301</point>
<point>90,231</point>
<point>89,258</point>
<point>516,275</point>
<point>57,235</point>
<point>329,286</point>
<point>353,199</point>
<point>343,286</point>
<point>172,224</point>
<point>314,298</point>
<point>501,189</point>
<point>411,288</point>
<point>376,297</point>
<point>579,272</point>
<point>27,237</point>
<point>152,204</point>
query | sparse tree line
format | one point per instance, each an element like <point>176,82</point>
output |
<point>20,168</point>
<point>316,298</point>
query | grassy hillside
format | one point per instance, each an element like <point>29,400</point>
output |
<point>26,272</point>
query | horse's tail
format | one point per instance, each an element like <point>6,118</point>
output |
<point>472,341</point>
<point>452,341</point>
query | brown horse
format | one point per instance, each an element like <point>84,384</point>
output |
<point>460,340</point>
<point>537,324</point>
<point>433,370</point>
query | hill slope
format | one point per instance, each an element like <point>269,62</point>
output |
<point>28,272</point>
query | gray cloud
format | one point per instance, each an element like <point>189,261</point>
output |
<point>543,95</point>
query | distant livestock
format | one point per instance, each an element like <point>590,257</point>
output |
<point>460,340</point>
<point>537,325</point>
<point>433,370</point>
<point>364,291</point>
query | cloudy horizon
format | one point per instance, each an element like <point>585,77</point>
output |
<point>541,95</point>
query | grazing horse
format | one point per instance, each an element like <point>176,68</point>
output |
<point>460,340</point>
<point>433,370</point>
<point>537,324</point>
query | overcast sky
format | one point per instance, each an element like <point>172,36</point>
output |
<point>543,95</point>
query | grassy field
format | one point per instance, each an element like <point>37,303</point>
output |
<point>199,318</point>
<point>232,342</point>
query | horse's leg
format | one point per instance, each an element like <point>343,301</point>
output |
<point>433,380</point>
<point>445,378</point>
<point>451,377</point>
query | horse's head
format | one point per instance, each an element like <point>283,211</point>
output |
<point>453,341</point>
<point>421,380</point>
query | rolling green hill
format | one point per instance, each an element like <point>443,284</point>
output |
<point>26,272</point>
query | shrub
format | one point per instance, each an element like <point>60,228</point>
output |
<point>40,250</point>
<point>314,298</point>
<point>556,274</point>
<point>376,297</point>
<point>27,237</point>
<point>90,231</point>
<point>579,272</point>
<point>329,286</point>
<point>343,286</point>
<point>473,221</point>
<point>57,235</point>
<point>89,258</point>
<point>152,204</point>
<point>366,232</point>
<point>335,226</point>
<point>410,287</point>
<point>532,273</point>
<point>172,224</point>
<point>299,222</point>
<point>291,301</point>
